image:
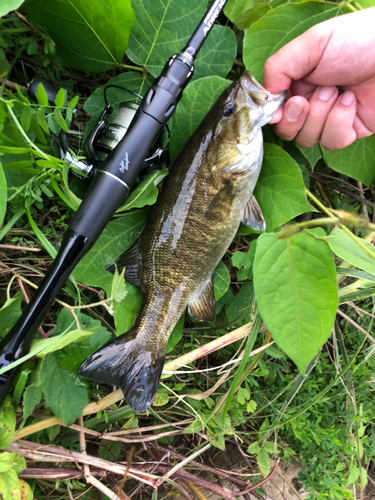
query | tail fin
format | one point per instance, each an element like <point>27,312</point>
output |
<point>126,363</point>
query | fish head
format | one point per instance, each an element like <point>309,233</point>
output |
<point>239,113</point>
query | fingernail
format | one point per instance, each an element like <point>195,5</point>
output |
<point>347,98</point>
<point>293,111</point>
<point>325,93</point>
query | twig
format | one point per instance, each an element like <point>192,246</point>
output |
<point>15,247</point>
<point>27,300</point>
<point>50,473</point>
<point>254,486</point>
<point>11,85</point>
<point>356,325</point>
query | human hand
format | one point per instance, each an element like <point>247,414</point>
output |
<point>329,73</point>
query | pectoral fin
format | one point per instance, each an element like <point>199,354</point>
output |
<point>253,216</point>
<point>132,261</point>
<point>202,305</point>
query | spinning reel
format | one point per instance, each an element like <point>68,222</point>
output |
<point>106,134</point>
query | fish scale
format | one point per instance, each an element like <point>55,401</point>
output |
<point>206,195</point>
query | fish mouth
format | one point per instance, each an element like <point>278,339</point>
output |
<point>261,97</point>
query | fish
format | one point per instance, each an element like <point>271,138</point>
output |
<point>206,195</point>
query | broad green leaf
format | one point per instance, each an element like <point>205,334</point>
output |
<point>89,36</point>
<point>280,26</point>
<point>31,398</point>
<point>312,155</point>
<point>60,99</point>
<point>117,237</point>
<point>296,289</point>
<point>9,314</point>
<point>7,423</point>
<point>8,5</point>
<point>239,308</point>
<point>217,55</point>
<point>234,8</point>
<point>146,192</point>
<point>162,29</point>
<point>63,393</point>
<point>254,448</point>
<point>357,251</point>
<point>197,100</point>
<point>263,460</point>
<point>357,160</point>
<point>176,335</point>
<point>280,190</point>
<point>220,280</point>
<point>250,16</point>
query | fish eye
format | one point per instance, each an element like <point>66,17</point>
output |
<point>229,109</point>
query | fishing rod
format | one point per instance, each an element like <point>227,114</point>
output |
<point>113,179</point>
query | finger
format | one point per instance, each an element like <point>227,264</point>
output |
<point>360,128</point>
<point>295,60</point>
<point>294,116</point>
<point>338,131</point>
<point>320,105</point>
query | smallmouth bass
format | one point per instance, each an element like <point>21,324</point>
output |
<point>205,197</point>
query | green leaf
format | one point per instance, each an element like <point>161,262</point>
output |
<point>124,312</point>
<point>263,460</point>
<point>239,308</point>
<point>60,99</point>
<point>296,289</point>
<point>41,95</point>
<point>8,5</point>
<point>89,36</point>
<point>220,280</point>
<point>146,192</point>
<point>9,483</point>
<point>357,251</point>
<point>26,491</point>
<point>217,55</point>
<point>234,8</point>
<point>244,263</point>
<point>3,195</point>
<point>117,237</point>
<point>60,120</point>
<point>31,398</point>
<point>42,347</point>
<point>63,394</point>
<point>161,398</point>
<point>353,474</point>
<point>280,190</point>
<point>250,16</point>
<point>197,100</point>
<point>25,118</point>
<point>251,406</point>
<point>254,448</point>
<point>312,155</point>
<point>7,423</point>
<point>118,290</point>
<point>176,335</point>
<point>161,29</point>
<point>357,160</point>
<point>280,26</point>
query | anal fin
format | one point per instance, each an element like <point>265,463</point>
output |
<point>253,216</point>
<point>132,261</point>
<point>202,305</point>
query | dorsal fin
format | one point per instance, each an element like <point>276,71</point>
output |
<point>132,261</point>
<point>253,216</point>
<point>202,305</point>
